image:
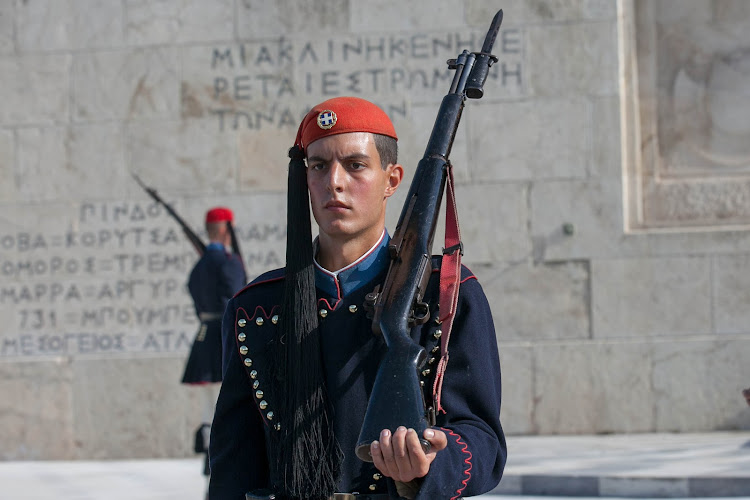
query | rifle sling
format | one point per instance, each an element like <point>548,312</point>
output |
<point>450,278</point>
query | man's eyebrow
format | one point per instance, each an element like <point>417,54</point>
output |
<point>357,156</point>
<point>353,156</point>
<point>315,158</point>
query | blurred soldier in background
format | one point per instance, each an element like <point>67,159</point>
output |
<point>217,276</point>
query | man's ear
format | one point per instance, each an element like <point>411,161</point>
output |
<point>395,174</point>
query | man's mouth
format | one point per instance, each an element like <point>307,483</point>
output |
<point>336,204</point>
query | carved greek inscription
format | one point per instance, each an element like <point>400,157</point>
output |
<point>265,84</point>
<point>111,283</point>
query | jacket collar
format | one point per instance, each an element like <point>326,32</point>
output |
<point>360,272</point>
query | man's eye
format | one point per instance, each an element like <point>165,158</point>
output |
<point>357,166</point>
<point>316,166</point>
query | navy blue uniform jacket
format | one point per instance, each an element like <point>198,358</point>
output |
<point>215,278</point>
<point>475,456</point>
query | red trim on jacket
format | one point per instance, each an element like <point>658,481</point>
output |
<point>467,461</point>
<point>256,283</point>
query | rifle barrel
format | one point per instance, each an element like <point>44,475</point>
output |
<point>193,238</point>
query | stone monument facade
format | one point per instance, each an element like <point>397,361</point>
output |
<point>602,187</point>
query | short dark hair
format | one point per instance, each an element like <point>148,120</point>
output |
<point>387,149</point>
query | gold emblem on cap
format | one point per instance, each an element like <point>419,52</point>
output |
<point>327,119</point>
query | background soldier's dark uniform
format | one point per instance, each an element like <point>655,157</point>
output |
<point>216,277</point>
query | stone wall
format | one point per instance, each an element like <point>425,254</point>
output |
<point>617,270</point>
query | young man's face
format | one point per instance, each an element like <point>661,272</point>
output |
<point>348,186</point>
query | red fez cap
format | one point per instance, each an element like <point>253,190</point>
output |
<point>219,214</point>
<point>341,115</point>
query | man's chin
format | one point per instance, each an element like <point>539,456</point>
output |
<point>336,231</point>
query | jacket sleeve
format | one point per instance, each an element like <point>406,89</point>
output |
<point>474,459</point>
<point>232,277</point>
<point>237,447</point>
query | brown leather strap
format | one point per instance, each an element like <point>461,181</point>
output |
<point>450,280</point>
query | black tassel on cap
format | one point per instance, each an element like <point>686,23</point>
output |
<point>307,457</point>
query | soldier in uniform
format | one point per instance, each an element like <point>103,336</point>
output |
<point>217,276</point>
<point>300,356</point>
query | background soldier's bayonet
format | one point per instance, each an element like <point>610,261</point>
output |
<point>199,246</point>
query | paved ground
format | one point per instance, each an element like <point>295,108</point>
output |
<point>635,465</point>
<point>539,468</point>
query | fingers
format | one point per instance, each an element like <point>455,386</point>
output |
<point>400,455</point>
<point>379,450</point>
<point>391,453</point>
<point>420,463</point>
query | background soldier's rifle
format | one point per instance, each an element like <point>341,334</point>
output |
<point>397,398</point>
<point>199,246</point>
<point>235,243</point>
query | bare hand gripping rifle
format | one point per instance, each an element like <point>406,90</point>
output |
<point>397,398</point>
<point>200,247</point>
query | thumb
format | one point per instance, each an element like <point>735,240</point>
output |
<point>437,438</point>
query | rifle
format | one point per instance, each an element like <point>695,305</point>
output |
<point>235,243</point>
<point>397,398</point>
<point>200,247</point>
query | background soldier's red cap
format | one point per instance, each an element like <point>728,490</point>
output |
<point>219,214</point>
<point>341,115</point>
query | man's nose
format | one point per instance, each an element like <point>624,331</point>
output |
<point>336,177</point>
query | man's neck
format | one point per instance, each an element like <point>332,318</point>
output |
<point>334,254</point>
<point>217,242</point>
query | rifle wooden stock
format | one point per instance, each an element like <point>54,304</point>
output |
<point>397,398</point>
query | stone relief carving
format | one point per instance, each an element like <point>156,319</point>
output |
<point>703,68</point>
<point>685,74</point>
